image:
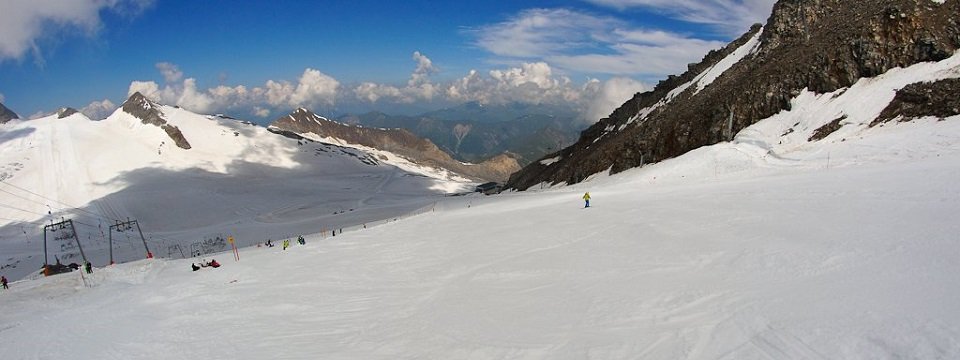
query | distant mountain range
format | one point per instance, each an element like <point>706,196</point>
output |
<point>306,124</point>
<point>474,132</point>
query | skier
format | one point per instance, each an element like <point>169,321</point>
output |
<point>586,199</point>
<point>286,244</point>
<point>3,281</point>
<point>213,263</point>
<point>194,266</point>
<point>88,267</point>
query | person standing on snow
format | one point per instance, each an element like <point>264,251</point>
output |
<point>3,281</point>
<point>286,244</point>
<point>586,199</point>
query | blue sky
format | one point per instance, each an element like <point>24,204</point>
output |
<point>260,59</point>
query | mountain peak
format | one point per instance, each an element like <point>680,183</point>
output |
<point>65,111</point>
<point>149,113</point>
<point>7,114</point>
<point>142,108</point>
<point>304,115</point>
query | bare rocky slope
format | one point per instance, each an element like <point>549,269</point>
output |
<point>7,114</point>
<point>149,113</point>
<point>820,45</point>
<point>398,141</point>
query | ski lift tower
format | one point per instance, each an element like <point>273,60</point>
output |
<point>63,225</point>
<point>126,226</point>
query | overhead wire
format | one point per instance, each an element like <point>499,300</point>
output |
<point>93,215</point>
<point>23,221</point>
<point>100,216</point>
<point>24,210</point>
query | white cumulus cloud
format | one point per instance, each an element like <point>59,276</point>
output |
<point>149,89</point>
<point>312,89</point>
<point>609,95</point>
<point>171,73</point>
<point>533,83</point>
<point>372,92</point>
<point>419,87</point>
<point>99,109</point>
<point>24,22</point>
<point>424,68</point>
<point>261,112</point>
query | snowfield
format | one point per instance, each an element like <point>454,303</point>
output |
<point>763,248</point>
<point>237,180</point>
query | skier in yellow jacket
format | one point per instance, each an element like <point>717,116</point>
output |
<point>586,199</point>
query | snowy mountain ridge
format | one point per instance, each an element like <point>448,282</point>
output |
<point>137,163</point>
<point>816,46</point>
<point>403,143</point>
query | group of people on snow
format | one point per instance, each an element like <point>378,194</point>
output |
<point>212,263</point>
<point>286,243</point>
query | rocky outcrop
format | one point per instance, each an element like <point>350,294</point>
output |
<point>7,114</point>
<point>820,45</point>
<point>938,99</point>
<point>150,113</point>
<point>398,141</point>
<point>65,111</point>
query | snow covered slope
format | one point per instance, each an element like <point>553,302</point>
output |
<point>728,252</point>
<point>235,179</point>
<point>777,245</point>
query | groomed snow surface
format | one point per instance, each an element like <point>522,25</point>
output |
<point>845,248</point>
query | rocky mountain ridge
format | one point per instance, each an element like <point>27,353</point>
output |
<point>7,114</point>
<point>303,122</point>
<point>818,45</point>
<point>149,112</point>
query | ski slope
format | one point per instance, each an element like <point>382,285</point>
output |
<point>853,262</point>
<point>767,247</point>
<point>238,179</point>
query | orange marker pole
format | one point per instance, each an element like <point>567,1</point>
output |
<point>236,254</point>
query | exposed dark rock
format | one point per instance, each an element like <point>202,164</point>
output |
<point>820,45</point>
<point>397,141</point>
<point>174,133</point>
<point>149,113</point>
<point>825,130</point>
<point>7,114</point>
<point>66,111</point>
<point>939,99</point>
